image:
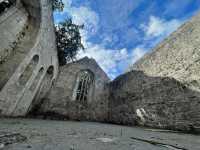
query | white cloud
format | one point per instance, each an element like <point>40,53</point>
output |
<point>160,27</point>
<point>67,3</point>
<point>137,53</point>
<point>108,59</point>
<point>86,16</point>
<point>82,15</point>
<point>155,30</point>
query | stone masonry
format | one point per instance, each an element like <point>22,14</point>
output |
<point>60,100</point>
<point>162,102</point>
<point>28,54</point>
<point>162,89</point>
<point>178,56</point>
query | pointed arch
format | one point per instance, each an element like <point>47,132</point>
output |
<point>84,86</point>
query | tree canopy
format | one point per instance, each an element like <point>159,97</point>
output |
<point>68,37</point>
<point>68,40</point>
<point>58,5</point>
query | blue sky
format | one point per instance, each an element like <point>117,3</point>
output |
<point>119,32</point>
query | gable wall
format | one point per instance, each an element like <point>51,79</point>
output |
<point>60,99</point>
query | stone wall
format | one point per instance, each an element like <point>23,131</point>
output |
<point>17,40</point>
<point>162,102</point>
<point>10,34</point>
<point>60,100</point>
<point>178,56</point>
<point>163,90</point>
<point>34,57</point>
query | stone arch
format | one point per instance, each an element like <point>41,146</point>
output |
<point>42,91</point>
<point>37,79</point>
<point>25,76</point>
<point>47,82</point>
<point>50,71</point>
<point>5,4</point>
<point>84,86</point>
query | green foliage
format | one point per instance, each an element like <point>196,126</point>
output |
<point>68,40</point>
<point>58,5</point>
<point>68,37</point>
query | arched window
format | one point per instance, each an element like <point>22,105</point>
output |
<point>83,87</point>
<point>25,76</point>
<point>5,4</point>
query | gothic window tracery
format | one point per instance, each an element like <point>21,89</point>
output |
<point>84,84</point>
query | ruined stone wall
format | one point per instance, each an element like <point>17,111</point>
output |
<point>163,89</point>
<point>33,58</point>
<point>160,102</point>
<point>18,36</point>
<point>10,34</point>
<point>60,99</point>
<point>178,56</point>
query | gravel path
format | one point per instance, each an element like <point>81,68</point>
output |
<point>67,135</point>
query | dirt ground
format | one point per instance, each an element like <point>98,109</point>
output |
<point>30,134</point>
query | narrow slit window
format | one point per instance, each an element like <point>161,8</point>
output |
<point>25,76</point>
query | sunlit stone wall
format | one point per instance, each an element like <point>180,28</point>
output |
<point>163,88</point>
<point>178,56</point>
<point>28,55</point>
